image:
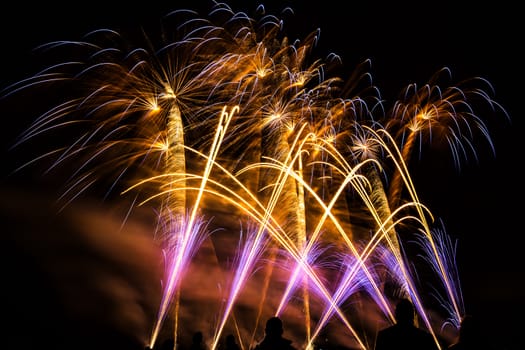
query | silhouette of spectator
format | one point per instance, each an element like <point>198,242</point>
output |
<point>231,344</point>
<point>168,344</point>
<point>469,336</point>
<point>404,335</point>
<point>273,338</point>
<point>197,341</point>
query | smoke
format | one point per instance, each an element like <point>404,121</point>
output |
<point>78,278</point>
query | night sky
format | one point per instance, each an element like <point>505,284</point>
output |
<point>406,42</point>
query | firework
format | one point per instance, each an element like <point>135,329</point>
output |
<point>226,125</point>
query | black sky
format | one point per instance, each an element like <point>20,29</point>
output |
<point>407,42</point>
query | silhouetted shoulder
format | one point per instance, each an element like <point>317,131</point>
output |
<point>275,344</point>
<point>404,337</point>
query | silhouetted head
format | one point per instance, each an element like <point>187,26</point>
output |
<point>405,312</point>
<point>197,337</point>
<point>468,330</point>
<point>274,327</point>
<point>168,344</point>
<point>230,339</point>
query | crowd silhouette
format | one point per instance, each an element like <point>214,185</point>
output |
<point>404,334</point>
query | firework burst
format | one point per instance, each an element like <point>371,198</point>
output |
<point>225,118</point>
